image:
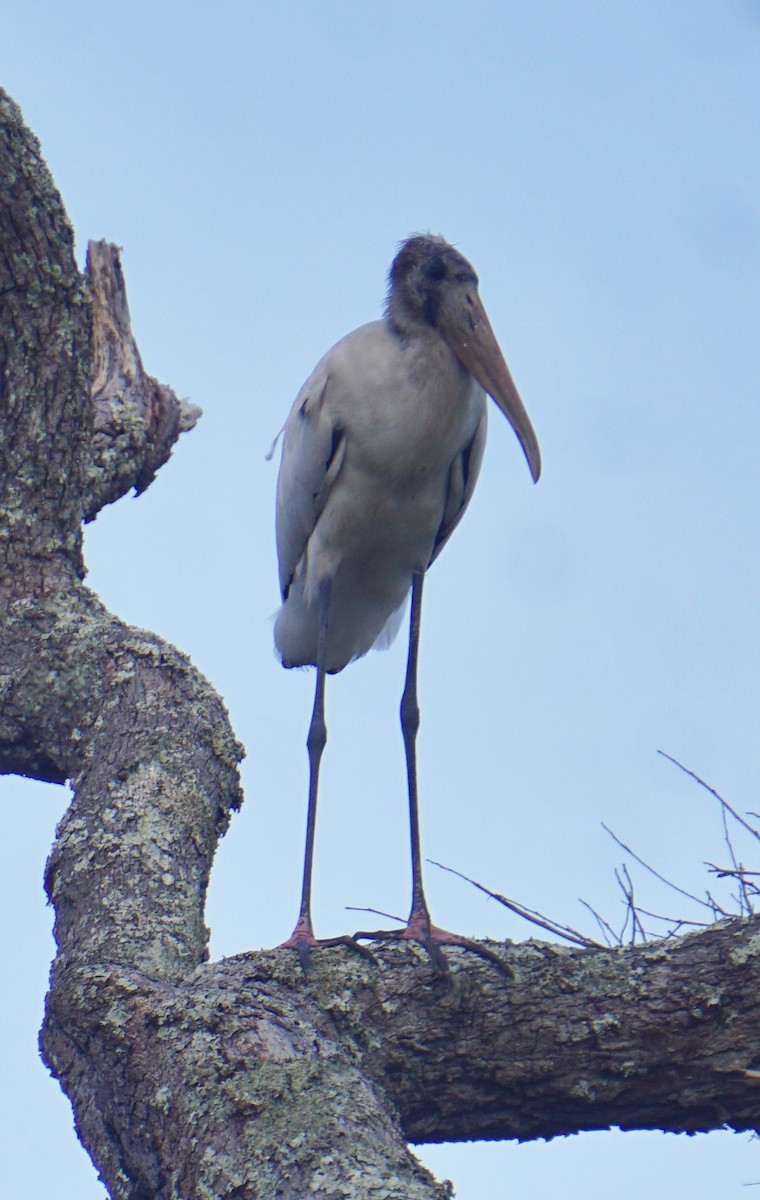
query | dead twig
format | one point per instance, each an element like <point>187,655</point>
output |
<point>709,903</point>
<point>724,803</point>
<point>528,914</point>
<point>747,889</point>
<point>625,884</point>
<point>679,922</point>
<point>377,912</point>
<point>633,929</point>
<point>608,933</point>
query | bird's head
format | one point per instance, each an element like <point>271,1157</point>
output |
<point>432,284</point>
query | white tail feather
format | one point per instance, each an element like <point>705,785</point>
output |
<point>389,631</point>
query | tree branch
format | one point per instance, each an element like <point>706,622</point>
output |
<point>295,1079</point>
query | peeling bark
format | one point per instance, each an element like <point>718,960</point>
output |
<point>245,1078</point>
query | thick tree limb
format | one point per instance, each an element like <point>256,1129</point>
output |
<point>44,321</point>
<point>297,1079</point>
<point>244,1078</point>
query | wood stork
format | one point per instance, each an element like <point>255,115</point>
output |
<point>380,455</point>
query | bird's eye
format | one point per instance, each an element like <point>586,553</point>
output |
<point>437,269</point>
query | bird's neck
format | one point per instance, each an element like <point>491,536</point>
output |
<point>402,318</point>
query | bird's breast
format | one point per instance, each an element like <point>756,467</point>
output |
<point>406,411</point>
<point>407,408</point>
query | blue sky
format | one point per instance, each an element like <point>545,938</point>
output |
<point>597,160</point>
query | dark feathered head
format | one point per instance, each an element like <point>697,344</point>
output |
<point>431,286</point>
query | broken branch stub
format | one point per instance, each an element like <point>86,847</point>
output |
<point>136,419</point>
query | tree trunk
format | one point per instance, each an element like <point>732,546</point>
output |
<point>247,1078</point>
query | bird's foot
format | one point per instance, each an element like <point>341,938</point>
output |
<point>303,941</point>
<point>419,928</point>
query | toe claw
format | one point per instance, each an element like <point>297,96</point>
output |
<point>304,943</point>
<point>432,938</point>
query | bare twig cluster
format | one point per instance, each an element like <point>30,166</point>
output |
<point>640,924</point>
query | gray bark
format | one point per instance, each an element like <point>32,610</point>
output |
<point>247,1078</point>
<point>136,420</point>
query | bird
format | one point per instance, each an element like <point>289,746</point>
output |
<point>380,455</point>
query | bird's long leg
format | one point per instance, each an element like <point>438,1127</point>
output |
<point>302,936</point>
<point>419,917</point>
<point>419,927</point>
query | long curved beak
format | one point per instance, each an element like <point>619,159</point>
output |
<point>469,334</point>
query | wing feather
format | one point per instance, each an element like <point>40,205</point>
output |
<point>463,475</point>
<point>313,449</point>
